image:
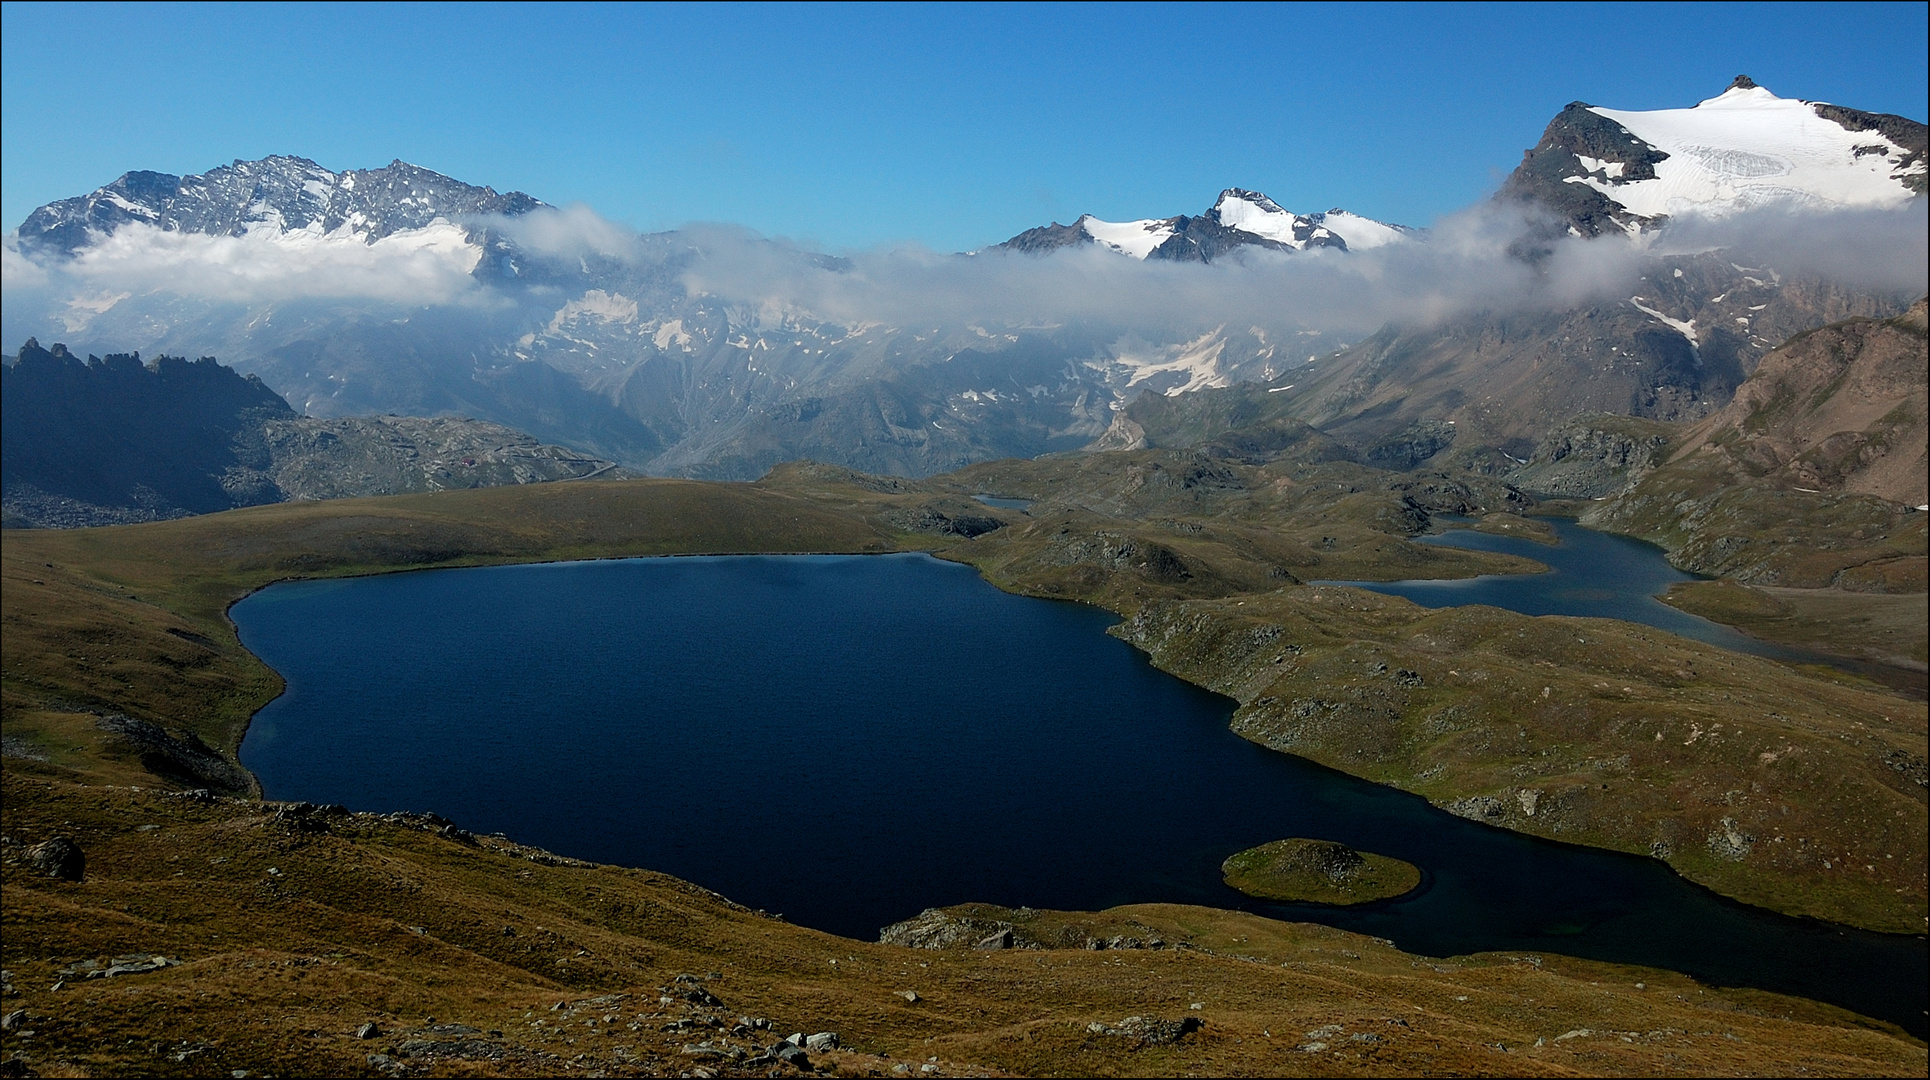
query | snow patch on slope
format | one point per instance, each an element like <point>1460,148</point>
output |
<point>1190,365</point>
<point>596,304</point>
<point>1134,238</point>
<point>671,333</point>
<point>1686,329</point>
<point>1362,233</point>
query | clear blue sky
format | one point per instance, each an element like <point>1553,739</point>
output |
<point>949,126</point>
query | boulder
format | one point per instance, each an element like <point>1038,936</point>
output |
<point>58,858</point>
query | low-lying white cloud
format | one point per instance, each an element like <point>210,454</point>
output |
<point>1885,250</point>
<point>426,266</point>
<point>1463,266</point>
<point>569,233</point>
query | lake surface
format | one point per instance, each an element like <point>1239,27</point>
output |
<point>1601,575</point>
<point>851,739</point>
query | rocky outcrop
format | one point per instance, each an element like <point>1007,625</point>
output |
<point>986,927</point>
<point>1408,449</point>
<point>311,458</point>
<point>1591,457</point>
<point>183,758</point>
<point>1124,434</point>
<point>1440,493</point>
<point>1148,1030</point>
<point>1106,550</point>
<point>58,857</point>
<point>946,517</point>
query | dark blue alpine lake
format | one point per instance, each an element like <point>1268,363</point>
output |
<point>850,739</point>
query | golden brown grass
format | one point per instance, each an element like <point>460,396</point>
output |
<point>291,938</point>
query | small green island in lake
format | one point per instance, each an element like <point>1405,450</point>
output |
<point>1318,872</point>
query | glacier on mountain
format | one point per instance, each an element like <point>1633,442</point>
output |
<point>1748,148</point>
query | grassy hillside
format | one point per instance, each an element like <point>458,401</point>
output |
<point>481,957</point>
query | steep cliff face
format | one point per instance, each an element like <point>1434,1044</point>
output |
<point>105,440</point>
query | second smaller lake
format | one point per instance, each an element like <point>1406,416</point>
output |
<point>1593,575</point>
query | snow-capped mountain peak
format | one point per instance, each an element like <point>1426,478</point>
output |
<point>1238,218</point>
<point>1747,147</point>
<point>1254,213</point>
<point>1744,148</point>
<point>1362,233</point>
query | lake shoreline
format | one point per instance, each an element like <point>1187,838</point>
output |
<point>1386,909</point>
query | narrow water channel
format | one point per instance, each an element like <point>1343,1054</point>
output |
<point>850,739</point>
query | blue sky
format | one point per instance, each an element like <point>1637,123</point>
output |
<point>947,126</point>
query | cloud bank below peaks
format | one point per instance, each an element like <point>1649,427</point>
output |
<point>1463,266</point>
<point>1876,249</point>
<point>1467,264</point>
<point>427,266</point>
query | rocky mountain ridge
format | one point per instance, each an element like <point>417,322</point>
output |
<point>1839,409</point>
<point>1812,478</point>
<point>112,440</point>
<point>277,194</point>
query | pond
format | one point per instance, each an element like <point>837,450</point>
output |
<point>848,740</point>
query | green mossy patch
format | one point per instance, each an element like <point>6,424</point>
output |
<point>1318,872</point>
